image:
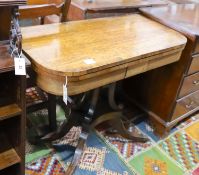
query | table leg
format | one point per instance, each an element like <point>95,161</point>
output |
<point>78,153</point>
<point>111,98</point>
<point>52,112</point>
<point>84,134</point>
<point>73,120</point>
<point>114,119</point>
<point>73,115</point>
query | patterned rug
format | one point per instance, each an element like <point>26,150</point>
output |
<point>97,158</point>
<point>177,154</point>
<point>105,154</point>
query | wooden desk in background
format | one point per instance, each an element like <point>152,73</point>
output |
<point>85,9</point>
<point>173,92</point>
<point>94,53</point>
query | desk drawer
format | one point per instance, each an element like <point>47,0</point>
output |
<point>194,67</point>
<point>190,84</point>
<point>186,105</point>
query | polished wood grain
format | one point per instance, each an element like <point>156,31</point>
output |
<point>9,111</point>
<point>94,53</point>
<point>152,63</point>
<point>83,9</point>
<point>6,61</point>
<point>167,85</point>
<point>8,155</point>
<point>96,5</point>
<point>12,123</point>
<point>194,67</point>
<point>12,99</point>
<point>40,2</point>
<point>112,44</point>
<point>64,48</point>
<point>182,17</point>
<point>5,23</point>
<point>8,158</point>
<point>186,106</point>
<point>44,8</point>
<point>53,84</point>
<point>42,12</point>
<point>35,11</point>
<point>196,49</point>
<point>190,84</point>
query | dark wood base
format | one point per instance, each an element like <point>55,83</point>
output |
<point>162,129</point>
<point>114,119</point>
<point>78,118</point>
<point>159,129</point>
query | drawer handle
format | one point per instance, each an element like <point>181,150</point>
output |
<point>189,105</point>
<point>196,82</point>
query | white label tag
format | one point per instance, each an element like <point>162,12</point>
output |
<point>20,66</point>
<point>65,92</point>
<point>89,61</point>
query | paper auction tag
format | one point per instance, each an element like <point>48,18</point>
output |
<point>89,61</point>
<point>20,66</point>
<point>65,92</point>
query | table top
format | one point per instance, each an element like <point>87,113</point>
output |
<point>82,47</point>
<point>182,17</point>
<point>96,5</point>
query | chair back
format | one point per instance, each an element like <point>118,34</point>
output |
<point>42,8</point>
